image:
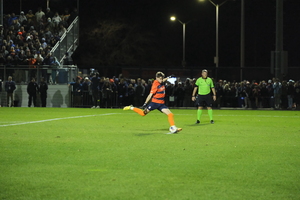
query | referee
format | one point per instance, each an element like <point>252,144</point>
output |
<point>204,85</point>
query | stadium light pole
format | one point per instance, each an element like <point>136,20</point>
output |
<point>173,18</point>
<point>242,54</point>
<point>1,10</point>
<point>216,59</point>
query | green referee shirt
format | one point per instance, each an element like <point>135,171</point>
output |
<point>204,85</point>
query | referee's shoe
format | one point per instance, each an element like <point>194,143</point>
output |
<point>211,121</point>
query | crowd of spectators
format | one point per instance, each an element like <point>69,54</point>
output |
<point>104,92</point>
<point>27,38</point>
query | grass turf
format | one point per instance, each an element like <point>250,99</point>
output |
<point>66,153</point>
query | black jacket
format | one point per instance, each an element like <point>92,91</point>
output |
<point>43,88</point>
<point>10,86</point>
<point>32,88</point>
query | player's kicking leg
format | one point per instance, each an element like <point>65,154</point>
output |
<point>137,110</point>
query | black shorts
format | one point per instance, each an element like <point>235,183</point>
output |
<point>204,100</point>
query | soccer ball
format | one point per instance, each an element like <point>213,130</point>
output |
<point>173,129</point>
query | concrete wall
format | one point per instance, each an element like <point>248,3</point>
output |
<point>57,96</point>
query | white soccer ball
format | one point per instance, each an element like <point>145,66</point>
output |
<point>173,129</point>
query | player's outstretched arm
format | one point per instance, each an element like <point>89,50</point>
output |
<point>149,97</point>
<point>165,79</point>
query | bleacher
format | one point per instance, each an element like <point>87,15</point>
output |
<point>57,73</point>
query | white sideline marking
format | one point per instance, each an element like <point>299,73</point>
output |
<point>55,119</point>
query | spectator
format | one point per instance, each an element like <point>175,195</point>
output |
<point>16,26</point>
<point>4,52</point>
<point>32,90</point>
<point>10,87</point>
<point>9,65</point>
<point>40,25</point>
<point>139,93</point>
<point>22,32</point>
<point>148,86</point>
<point>43,92</point>
<point>219,94</point>
<point>265,98</point>
<point>76,92</point>
<point>39,58</point>
<point>234,91</point>
<point>100,85</point>
<point>114,92</point>
<point>73,15</point>
<point>49,24</point>
<point>39,15</point>
<point>61,30</point>
<point>22,18</point>
<point>277,92</point>
<point>94,87</point>
<point>227,95</point>
<point>49,14</point>
<point>86,92</point>
<point>256,96</point>
<point>290,93</point>
<point>31,62</point>
<point>44,43</point>
<point>49,36</point>
<point>270,93</point>
<point>179,93</point>
<point>240,94</point>
<point>297,95</point>
<point>19,41</point>
<point>30,18</point>
<point>64,22</point>
<point>188,90</point>
<point>169,98</point>
<point>283,97</point>
<point>11,18</point>
<point>107,94</point>
<point>66,60</point>
<point>122,92</point>
<point>56,20</point>
<point>2,59</point>
<point>131,94</point>
<point>66,14</point>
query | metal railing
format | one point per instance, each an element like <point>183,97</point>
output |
<point>22,74</point>
<point>68,41</point>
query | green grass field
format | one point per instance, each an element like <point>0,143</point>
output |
<point>67,153</point>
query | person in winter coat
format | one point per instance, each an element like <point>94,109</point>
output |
<point>32,90</point>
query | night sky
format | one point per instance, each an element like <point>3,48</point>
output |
<point>154,16</point>
<point>260,27</point>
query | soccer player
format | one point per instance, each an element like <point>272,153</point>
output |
<point>204,85</point>
<point>156,96</point>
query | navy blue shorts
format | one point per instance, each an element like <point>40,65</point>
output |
<point>158,106</point>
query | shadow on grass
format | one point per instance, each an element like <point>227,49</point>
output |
<point>143,134</point>
<point>151,132</point>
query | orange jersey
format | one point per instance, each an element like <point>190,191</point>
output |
<point>158,91</point>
